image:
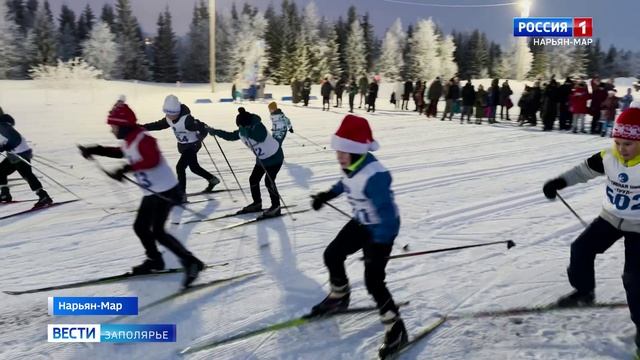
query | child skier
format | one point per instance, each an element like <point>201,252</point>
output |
<point>619,216</point>
<point>189,132</point>
<point>281,123</point>
<point>18,158</point>
<point>269,159</point>
<point>154,174</point>
<point>373,228</point>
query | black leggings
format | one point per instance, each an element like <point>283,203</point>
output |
<point>596,239</point>
<point>269,182</point>
<point>350,239</point>
<point>7,167</point>
<point>189,158</point>
<point>149,225</point>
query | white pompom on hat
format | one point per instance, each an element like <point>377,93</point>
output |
<point>627,125</point>
<point>171,105</point>
<point>354,136</point>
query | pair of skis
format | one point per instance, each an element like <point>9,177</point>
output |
<point>35,209</point>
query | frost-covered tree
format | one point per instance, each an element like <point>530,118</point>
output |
<point>355,53</point>
<point>9,35</point>
<point>248,56</point>
<point>448,67</point>
<point>391,61</point>
<point>424,60</point>
<point>101,51</point>
<point>330,61</point>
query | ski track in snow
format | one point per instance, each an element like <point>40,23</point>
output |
<point>455,185</point>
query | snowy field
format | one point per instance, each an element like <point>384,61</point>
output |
<point>454,184</point>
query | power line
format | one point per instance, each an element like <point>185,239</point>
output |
<point>450,5</point>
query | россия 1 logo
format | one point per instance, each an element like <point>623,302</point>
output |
<point>578,28</point>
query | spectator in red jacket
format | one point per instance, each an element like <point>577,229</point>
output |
<point>578,105</point>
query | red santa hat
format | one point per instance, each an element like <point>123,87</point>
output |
<point>627,125</point>
<point>121,115</point>
<point>354,136</point>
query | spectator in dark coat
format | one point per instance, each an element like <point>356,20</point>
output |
<point>306,90</point>
<point>451,97</point>
<point>363,85</point>
<point>563,104</point>
<point>419,97</point>
<point>296,91</point>
<point>534,105</point>
<point>434,94</point>
<point>505,100</point>
<point>416,87</point>
<point>325,91</point>
<point>372,95</point>
<point>480,103</point>
<point>494,100</point>
<point>408,91</point>
<point>339,91</point>
<point>468,100</point>
<point>550,105</point>
<point>598,96</point>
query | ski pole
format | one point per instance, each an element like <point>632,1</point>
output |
<point>336,209</point>
<point>509,243</point>
<point>311,141</point>
<point>45,175</point>
<point>55,168</point>
<point>230,168</point>
<point>266,173</point>
<point>224,183</point>
<point>170,201</point>
<point>571,209</point>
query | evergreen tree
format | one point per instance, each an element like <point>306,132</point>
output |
<point>249,52</point>
<point>165,62</point>
<point>132,57</point>
<point>85,24</point>
<point>101,51</point>
<point>223,49</point>
<point>391,60</point>
<point>493,62</point>
<point>540,62</point>
<point>16,12</point>
<point>41,41</point>
<point>31,7</point>
<point>462,54</point>
<point>594,58</point>
<point>406,55</point>
<point>302,58</point>
<point>579,62</point>
<point>479,55</point>
<point>330,62</point>
<point>195,67</point>
<point>311,30</point>
<point>609,63</point>
<point>274,40</point>
<point>108,17</point>
<point>67,41</point>
<point>9,35</point>
<point>371,47</point>
<point>355,51</point>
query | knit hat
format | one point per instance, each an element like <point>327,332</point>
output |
<point>171,105</point>
<point>354,136</point>
<point>627,125</point>
<point>273,106</point>
<point>243,118</point>
<point>121,115</point>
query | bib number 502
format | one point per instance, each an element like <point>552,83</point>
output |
<point>622,201</point>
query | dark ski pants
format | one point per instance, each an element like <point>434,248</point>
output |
<point>352,99</point>
<point>372,104</point>
<point>9,165</point>
<point>149,225</point>
<point>350,239</point>
<point>189,158</point>
<point>269,182</point>
<point>326,100</point>
<point>596,239</point>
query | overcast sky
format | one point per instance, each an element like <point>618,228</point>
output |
<point>615,22</point>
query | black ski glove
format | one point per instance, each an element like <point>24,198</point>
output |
<point>118,175</point>
<point>320,198</point>
<point>291,130</point>
<point>552,186</point>
<point>87,151</point>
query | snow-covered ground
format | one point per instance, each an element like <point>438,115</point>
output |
<point>454,184</point>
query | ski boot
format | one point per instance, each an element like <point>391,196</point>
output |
<point>576,299</point>
<point>192,268</point>
<point>44,199</point>
<point>395,335</point>
<point>251,208</point>
<point>148,266</point>
<point>338,299</point>
<point>5,195</point>
<point>212,183</point>
<point>273,211</point>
